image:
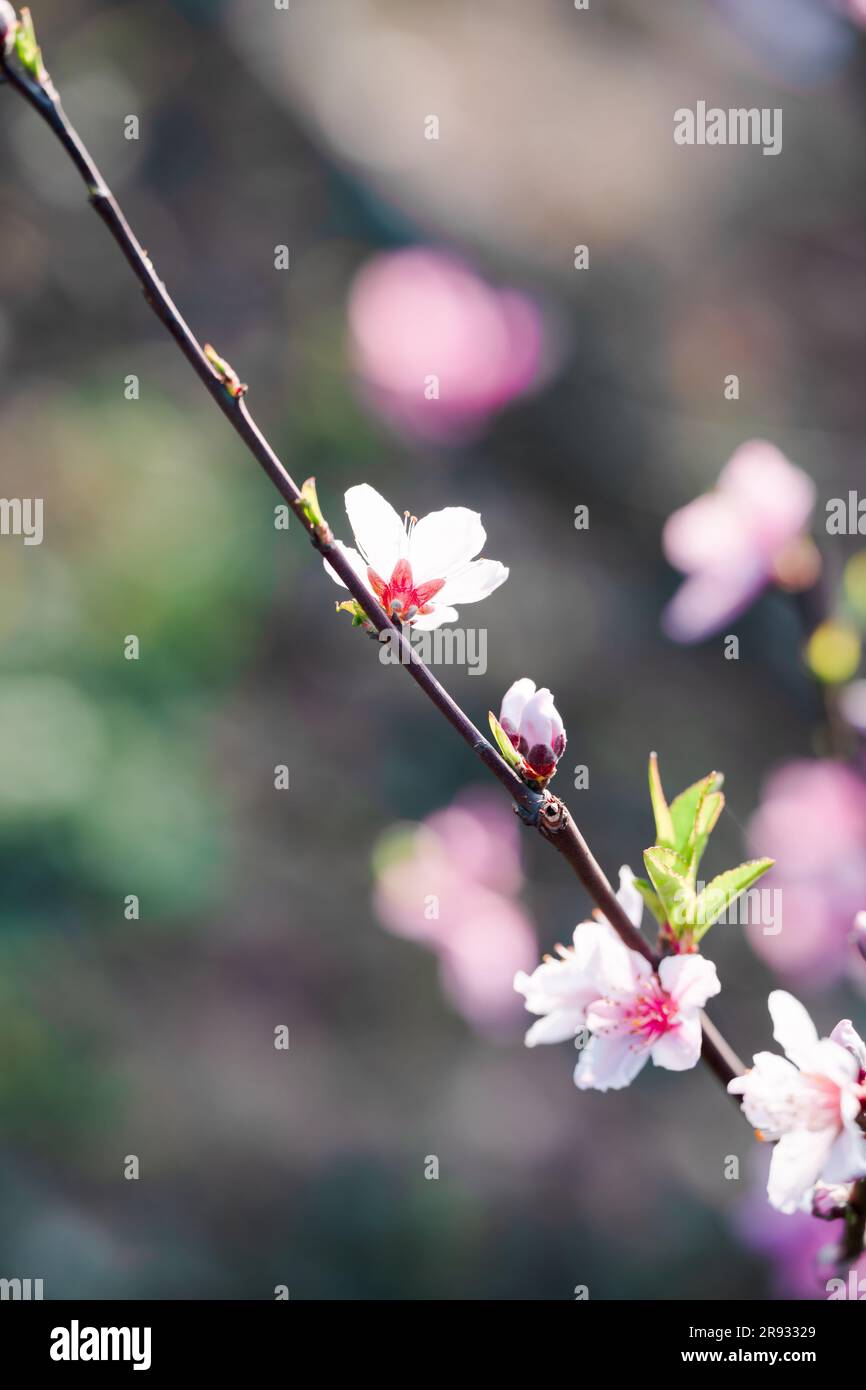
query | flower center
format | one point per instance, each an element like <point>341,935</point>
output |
<point>400,596</point>
<point>652,1013</point>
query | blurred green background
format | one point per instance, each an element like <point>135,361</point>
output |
<point>154,1037</point>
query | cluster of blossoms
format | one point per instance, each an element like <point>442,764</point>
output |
<point>619,1007</point>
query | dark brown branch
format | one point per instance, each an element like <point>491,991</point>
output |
<point>546,813</point>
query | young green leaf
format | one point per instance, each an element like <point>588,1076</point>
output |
<point>661,811</point>
<point>669,875</point>
<point>684,808</point>
<point>720,892</point>
<point>506,747</point>
<point>708,814</point>
<point>651,899</point>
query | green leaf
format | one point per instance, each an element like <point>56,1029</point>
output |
<point>684,808</point>
<point>705,822</point>
<point>652,899</point>
<point>720,892</point>
<point>661,811</point>
<point>670,879</point>
<point>506,747</point>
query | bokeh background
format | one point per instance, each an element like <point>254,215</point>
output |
<point>308,128</point>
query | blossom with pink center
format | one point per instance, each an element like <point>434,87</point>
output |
<point>451,884</point>
<point>534,726</point>
<point>812,822</point>
<point>631,1012</point>
<point>809,1102</point>
<point>417,315</point>
<point>418,569</point>
<point>734,541</point>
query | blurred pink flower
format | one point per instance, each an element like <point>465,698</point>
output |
<point>417,314</point>
<point>812,821</point>
<point>734,541</point>
<point>450,883</point>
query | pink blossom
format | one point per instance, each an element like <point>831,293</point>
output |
<point>812,821</point>
<point>451,884</point>
<point>734,541</point>
<point>418,314</point>
<point>631,1012</point>
<point>808,1102</point>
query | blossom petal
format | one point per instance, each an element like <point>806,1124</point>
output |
<point>443,541</point>
<point>379,532</point>
<point>608,962</point>
<point>847,1158</point>
<point>797,1163</point>
<point>690,980</point>
<point>554,1028</point>
<point>355,560</point>
<point>608,1064</point>
<point>514,701</point>
<point>846,1035</point>
<point>628,897</point>
<point>769,1092</point>
<point>425,622</point>
<point>679,1049</point>
<point>792,1026</point>
<point>703,534</point>
<point>472,581</point>
<point>773,494</point>
<point>538,722</point>
<point>706,602</point>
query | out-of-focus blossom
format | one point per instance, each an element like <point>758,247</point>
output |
<point>809,1104</point>
<point>630,1012</point>
<point>858,934</point>
<point>418,569</point>
<point>451,884</point>
<point>734,541</point>
<point>438,349</point>
<point>534,726</point>
<point>812,821</point>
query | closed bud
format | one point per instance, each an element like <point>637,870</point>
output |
<point>533,724</point>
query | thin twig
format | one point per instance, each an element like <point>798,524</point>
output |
<point>546,813</point>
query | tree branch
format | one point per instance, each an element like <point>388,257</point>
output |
<point>541,810</point>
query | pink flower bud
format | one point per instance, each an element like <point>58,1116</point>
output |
<point>532,722</point>
<point>8,25</point>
